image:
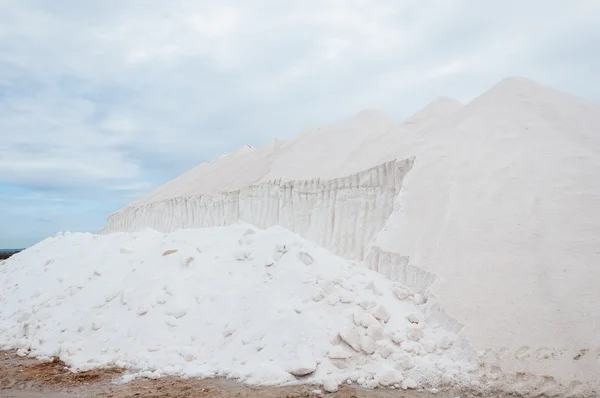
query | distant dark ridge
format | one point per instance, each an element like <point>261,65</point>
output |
<point>6,253</point>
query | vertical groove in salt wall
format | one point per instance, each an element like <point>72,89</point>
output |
<point>342,215</point>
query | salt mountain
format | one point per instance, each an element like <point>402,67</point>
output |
<point>488,213</point>
<point>498,217</point>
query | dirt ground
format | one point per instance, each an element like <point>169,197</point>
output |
<point>25,377</point>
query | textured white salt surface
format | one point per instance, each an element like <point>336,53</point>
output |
<point>266,307</point>
<point>503,205</point>
<point>321,152</point>
<point>499,218</point>
<point>489,211</point>
<point>227,173</point>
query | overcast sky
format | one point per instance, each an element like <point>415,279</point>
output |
<point>100,101</point>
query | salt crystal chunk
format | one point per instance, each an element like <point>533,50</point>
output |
<point>409,384</point>
<point>367,345</point>
<point>389,377</point>
<point>415,334</point>
<point>401,292</point>
<point>384,349</point>
<point>364,319</point>
<point>143,309</point>
<point>189,357</point>
<point>375,332</point>
<point>176,313</point>
<point>371,286</point>
<point>404,361</point>
<point>346,297</point>
<point>282,248</point>
<point>187,262</point>
<point>337,352</point>
<point>304,365</point>
<point>351,336</point>
<point>330,385</point>
<point>306,258</point>
<point>398,337</point>
<point>411,346</point>
<point>429,346</point>
<point>367,304</point>
<point>419,299</point>
<point>381,313</point>
<point>413,318</point>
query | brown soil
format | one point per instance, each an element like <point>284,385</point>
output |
<point>25,377</point>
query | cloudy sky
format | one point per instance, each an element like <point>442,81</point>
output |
<point>100,101</point>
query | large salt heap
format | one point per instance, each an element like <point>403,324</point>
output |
<point>489,211</point>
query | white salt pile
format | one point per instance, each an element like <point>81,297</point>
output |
<point>492,206</point>
<point>267,307</point>
<point>488,211</point>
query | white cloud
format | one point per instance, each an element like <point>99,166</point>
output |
<point>105,95</point>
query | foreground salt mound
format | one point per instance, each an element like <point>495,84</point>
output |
<point>263,306</point>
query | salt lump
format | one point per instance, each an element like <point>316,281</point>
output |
<point>99,305</point>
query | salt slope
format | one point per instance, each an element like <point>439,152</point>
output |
<point>503,206</point>
<point>434,113</point>
<point>263,306</point>
<point>227,173</point>
<point>400,141</point>
<point>337,151</point>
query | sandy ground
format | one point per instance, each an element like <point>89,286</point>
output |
<point>24,377</point>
